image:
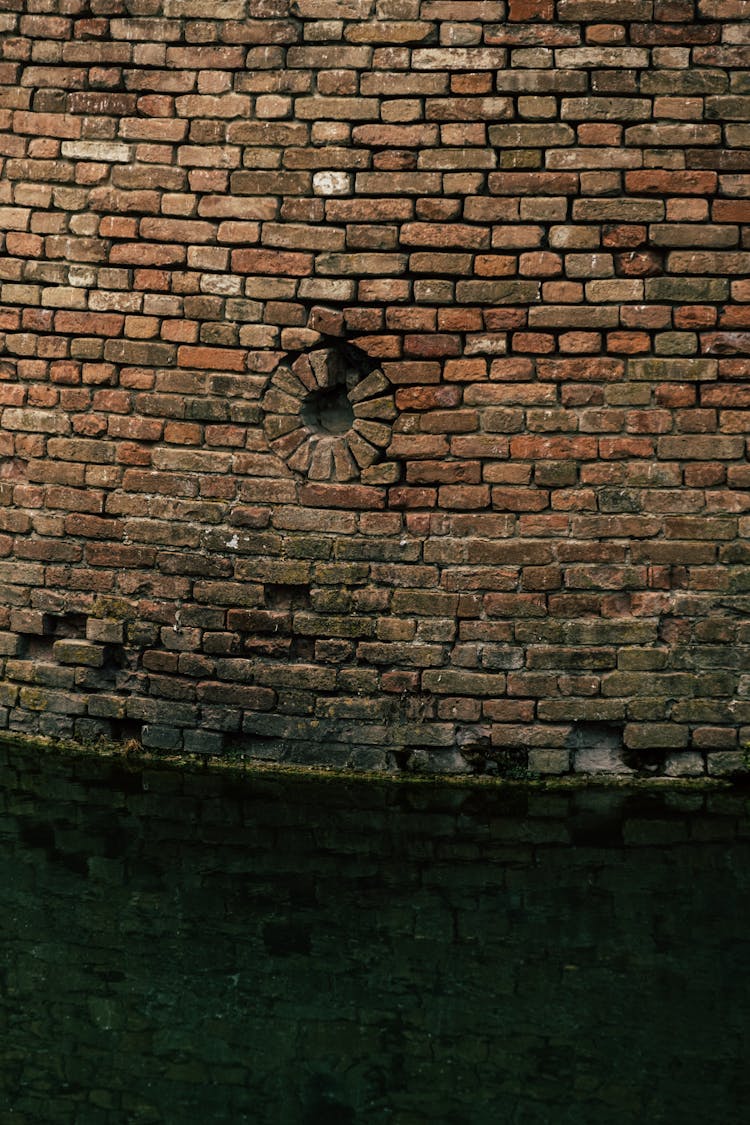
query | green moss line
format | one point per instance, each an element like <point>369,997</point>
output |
<point>137,759</point>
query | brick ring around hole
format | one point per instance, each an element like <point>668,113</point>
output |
<point>327,420</point>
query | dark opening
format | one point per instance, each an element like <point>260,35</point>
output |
<point>328,411</point>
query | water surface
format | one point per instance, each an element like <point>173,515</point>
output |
<point>192,947</point>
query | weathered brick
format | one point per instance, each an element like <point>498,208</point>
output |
<point>35,421</point>
<point>274,262</point>
<point>678,369</point>
<point>690,447</point>
<point>451,682</point>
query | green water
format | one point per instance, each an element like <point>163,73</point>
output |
<point>182,947</point>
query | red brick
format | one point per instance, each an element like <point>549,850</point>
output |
<point>654,182</point>
<point>275,262</point>
<point>89,324</point>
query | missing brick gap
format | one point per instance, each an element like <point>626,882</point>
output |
<point>598,748</point>
<point>69,626</point>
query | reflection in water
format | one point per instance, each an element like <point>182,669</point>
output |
<point>187,947</point>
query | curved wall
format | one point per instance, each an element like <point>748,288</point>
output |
<point>374,379</point>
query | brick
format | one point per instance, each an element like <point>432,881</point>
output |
<point>533,183</point>
<point>81,653</point>
<point>270,183</point>
<point>223,359</point>
<point>605,109</point>
<point>397,183</point>
<point>607,10</point>
<point>458,58</point>
<point>690,447</point>
<point>448,682</point>
<point>273,262</point>
<point>147,254</point>
<point>618,210</point>
<point>177,230</point>
<point>680,370</point>
<point>685,234</point>
<point>88,323</point>
<point>443,234</point>
<point>468,109</point>
<point>710,262</point>
<point>337,109</point>
<point>359,264</point>
<point>528,81</point>
<point>531,136</point>
<point>103,151</point>
<point>36,421</point>
<point>686,289</point>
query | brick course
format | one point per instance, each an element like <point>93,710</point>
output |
<point>375,379</point>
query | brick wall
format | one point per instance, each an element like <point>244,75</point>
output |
<point>374,379</point>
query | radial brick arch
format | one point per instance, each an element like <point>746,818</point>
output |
<point>375,381</point>
<point>326,418</point>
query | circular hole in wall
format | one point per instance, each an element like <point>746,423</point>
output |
<point>328,415</point>
<point>328,411</point>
